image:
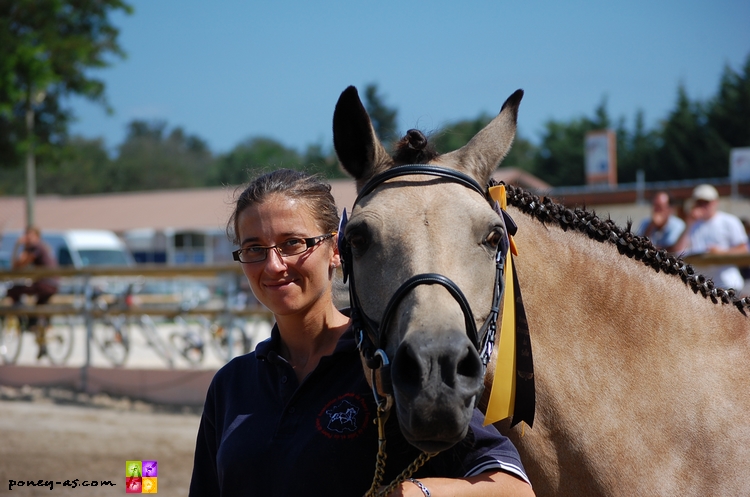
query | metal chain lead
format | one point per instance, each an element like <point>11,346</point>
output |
<point>410,470</point>
<point>377,480</point>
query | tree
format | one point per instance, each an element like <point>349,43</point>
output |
<point>689,147</point>
<point>383,117</point>
<point>636,151</point>
<point>251,157</point>
<point>729,112</point>
<point>46,49</point>
<point>455,135</point>
<point>316,160</point>
<point>560,157</point>
<point>84,169</point>
<point>153,158</point>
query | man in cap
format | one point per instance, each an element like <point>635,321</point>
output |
<point>711,231</point>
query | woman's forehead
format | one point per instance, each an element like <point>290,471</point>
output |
<point>277,213</point>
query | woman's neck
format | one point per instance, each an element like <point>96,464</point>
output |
<point>306,338</point>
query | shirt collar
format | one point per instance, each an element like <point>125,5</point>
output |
<point>271,345</point>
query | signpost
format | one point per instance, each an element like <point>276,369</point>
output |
<point>601,157</point>
<point>739,167</point>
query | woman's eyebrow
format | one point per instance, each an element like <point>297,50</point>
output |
<point>283,236</point>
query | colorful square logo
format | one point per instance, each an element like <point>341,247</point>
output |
<point>149,485</point>
<point>150,468</point>
<point>141,477</point>
<point>133,485</point>
<point>133,469</point>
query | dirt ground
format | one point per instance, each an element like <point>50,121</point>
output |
<point>59,435</point>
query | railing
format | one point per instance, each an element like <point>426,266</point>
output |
<point>145,271</point>
<point>739,260</point>
<point>228,275</point>
<point>82,302</point>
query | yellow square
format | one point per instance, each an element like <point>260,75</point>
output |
<point>149,485</point>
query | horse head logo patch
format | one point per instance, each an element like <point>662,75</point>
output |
<point>344,417</point>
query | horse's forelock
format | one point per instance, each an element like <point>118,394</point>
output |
<point>414,148</point>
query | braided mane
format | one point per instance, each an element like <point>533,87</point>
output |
<point>414,148</point>
<point>635,247</point>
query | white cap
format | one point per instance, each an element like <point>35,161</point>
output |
<point>705,192</point>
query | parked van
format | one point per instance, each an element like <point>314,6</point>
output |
<point>77,248</point>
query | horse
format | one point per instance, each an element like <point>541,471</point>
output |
<point>641,366</point>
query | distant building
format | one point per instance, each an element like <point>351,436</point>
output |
<point>189,226</point>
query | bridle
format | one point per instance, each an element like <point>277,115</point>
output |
<point>369,333</point>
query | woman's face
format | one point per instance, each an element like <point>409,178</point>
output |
<point>287,285</point>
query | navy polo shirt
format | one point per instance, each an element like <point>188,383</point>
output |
<point>263,433</point>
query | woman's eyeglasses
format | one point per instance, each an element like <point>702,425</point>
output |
<point>287,248</point>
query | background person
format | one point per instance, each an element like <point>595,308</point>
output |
<point>711,231</point>
<point>295,417</point>
<point>663,228</point>
<point>31,251</point>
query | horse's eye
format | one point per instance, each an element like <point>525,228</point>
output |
<point>358,238</point>
<point>494,238</point>
<point>358,243</point>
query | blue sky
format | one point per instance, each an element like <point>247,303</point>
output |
<point>229,70</point>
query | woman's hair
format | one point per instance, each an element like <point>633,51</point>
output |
<point>310,190</point>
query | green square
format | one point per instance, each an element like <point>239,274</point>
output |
<point>133,468</point>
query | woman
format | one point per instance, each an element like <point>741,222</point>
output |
<point>295,417</point>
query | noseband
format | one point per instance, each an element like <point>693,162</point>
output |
<point>369,333</point>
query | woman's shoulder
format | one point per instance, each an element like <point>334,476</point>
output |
<point>238,366</point>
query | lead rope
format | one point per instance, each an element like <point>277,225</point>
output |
<point>377,480</point>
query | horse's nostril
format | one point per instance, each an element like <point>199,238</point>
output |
<point>415,366</point>
<point>407,368</point>
<point>470,365</point>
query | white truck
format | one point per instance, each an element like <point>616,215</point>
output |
<point>77,248</point>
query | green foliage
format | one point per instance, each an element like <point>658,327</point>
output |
<point>560,157</point>
<point>325,163</point>
<point>383,117</point>
<point>729,111</point>
<point>636,150</point>
<point>46,48</point>
<point>521,155</point>
<point>457,134</point>
<point>689,147</point>
<point>81,171</point>
<point>692,142</point>
<point>250,158</point>
<point>150,158</point>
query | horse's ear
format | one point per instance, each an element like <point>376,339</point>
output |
<point>480,157</point>
<point>358,149</point>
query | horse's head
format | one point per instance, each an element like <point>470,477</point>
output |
<point>437,226</point>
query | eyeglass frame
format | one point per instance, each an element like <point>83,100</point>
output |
<point>309,243</point>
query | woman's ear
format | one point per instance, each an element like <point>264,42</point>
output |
<point>335,257</point>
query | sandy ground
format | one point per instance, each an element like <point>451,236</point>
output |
<point>60,435</point>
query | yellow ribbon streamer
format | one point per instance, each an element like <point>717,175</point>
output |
<point>503,392</point>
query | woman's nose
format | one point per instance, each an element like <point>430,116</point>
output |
<point>274,261</point>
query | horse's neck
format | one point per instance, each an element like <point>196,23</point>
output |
<point>617,349</point>
<point>586,290</point>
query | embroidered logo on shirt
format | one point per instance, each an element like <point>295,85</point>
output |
<point>344,417</point>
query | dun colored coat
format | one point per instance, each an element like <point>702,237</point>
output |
<point>642,368</point>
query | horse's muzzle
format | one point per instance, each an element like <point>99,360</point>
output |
<point>437,378</point>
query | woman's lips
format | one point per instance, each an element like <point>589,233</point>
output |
<point>279,284</point>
